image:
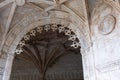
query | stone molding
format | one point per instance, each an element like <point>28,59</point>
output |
<point>109,66</point>
<point>56,19</point>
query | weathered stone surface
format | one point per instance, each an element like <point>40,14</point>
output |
<point>96,24</point>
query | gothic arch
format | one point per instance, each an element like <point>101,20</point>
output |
<point>21,29</point>
<point>45,29</point>
<point>68,18</point>
<point>14,44</point>
<point>27,29</point>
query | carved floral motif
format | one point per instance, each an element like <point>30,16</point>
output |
<point>47,27</point>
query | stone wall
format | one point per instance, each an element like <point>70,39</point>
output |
<point>106,42</point>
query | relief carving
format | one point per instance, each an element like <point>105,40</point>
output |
<point>103,19</point>
<point>54,27</point>
<point>107,25</point>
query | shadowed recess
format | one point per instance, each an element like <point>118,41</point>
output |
<point>48,56</point>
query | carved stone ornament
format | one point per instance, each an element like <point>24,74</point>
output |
<point>54,27</point>
<point>107,25</point>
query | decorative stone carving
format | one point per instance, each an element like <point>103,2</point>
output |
<point>32,33</point>
<point>47,27</point>
<point>75,44</point>
<point>72,37</point>
<point>107,25</point>
<point>39,29</point>
<point>21,43</point>
<point>67,32</point>
<point>19,51</point>
<point>26,37</point>
<point>20,2</point>
<point>61,29</point>
<point>72,12</point>
<point>54,27</point>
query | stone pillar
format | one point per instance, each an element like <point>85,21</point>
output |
<point>8,67</point>
<point>88,64</point>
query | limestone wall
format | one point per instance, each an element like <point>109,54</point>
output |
<point>106,42</point>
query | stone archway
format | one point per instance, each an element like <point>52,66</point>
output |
<point>45,44</point>
<point>20,36</point>
<point>29,22</point>
<point>34,25</point>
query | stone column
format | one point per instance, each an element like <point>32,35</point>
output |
<point>8,67</point>
<point>88,64</point>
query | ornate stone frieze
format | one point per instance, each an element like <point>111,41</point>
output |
<point>47,27</point>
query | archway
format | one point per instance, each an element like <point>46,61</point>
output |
<point>32,14</point>
<point>42,47</point>
<point>22,28</point>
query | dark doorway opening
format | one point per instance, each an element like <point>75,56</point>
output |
<point>48,56</point>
